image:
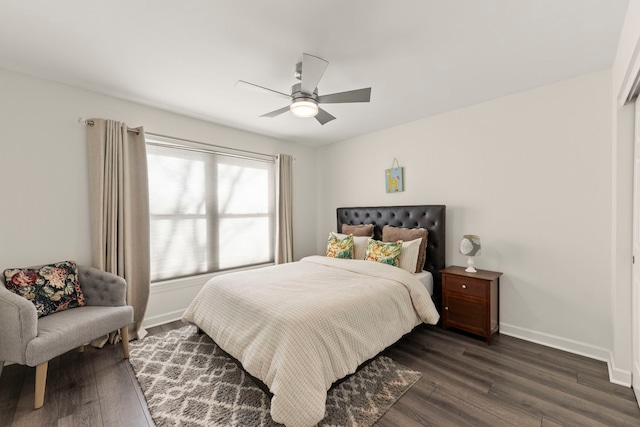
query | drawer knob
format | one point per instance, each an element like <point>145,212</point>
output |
<point>464,286</point>
<point>446,308</point>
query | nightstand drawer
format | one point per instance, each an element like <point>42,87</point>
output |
<point>465,286</point>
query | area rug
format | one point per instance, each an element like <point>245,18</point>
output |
<point>189,381</point>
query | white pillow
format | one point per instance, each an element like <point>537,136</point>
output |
<point>360,246</point>
<point>409,255</point>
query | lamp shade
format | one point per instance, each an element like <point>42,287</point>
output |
<point>470,245</point>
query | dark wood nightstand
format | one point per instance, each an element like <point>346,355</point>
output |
<point>470,301</point>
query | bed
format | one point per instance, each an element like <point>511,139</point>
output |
<point>301,326</point>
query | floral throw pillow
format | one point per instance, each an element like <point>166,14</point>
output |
<point>340,248</point>
<point>385,253</point>
<point>50,288</point>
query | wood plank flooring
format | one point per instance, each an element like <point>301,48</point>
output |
<point>464,383</point>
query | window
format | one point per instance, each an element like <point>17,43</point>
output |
<point>208,211</point>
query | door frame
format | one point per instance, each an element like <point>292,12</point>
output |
<point>635,275</point>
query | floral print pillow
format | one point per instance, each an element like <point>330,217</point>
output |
<point>340,248</point>
<point>50,288</point>
<point>385,253</point>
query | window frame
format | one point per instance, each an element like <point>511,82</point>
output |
<point>211,203</point>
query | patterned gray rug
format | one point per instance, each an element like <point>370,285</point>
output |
<point>189,381</point>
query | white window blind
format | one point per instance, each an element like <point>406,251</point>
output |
<point>208,211</point>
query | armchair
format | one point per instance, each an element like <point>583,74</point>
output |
<point>28,340</point>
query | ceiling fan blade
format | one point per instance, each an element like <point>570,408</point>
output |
<point>359,95</point>
<point>276,112</point>
<point>312,71</point>
<point>323,117</point>
<point>251,86</point>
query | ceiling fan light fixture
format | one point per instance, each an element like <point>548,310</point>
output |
<point>304,107</point>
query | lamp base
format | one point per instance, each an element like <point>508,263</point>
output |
<point>470,268</point>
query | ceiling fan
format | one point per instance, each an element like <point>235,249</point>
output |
<point>304,98</point>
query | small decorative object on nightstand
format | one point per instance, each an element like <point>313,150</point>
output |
<point>470,301</point>
<point>470,246</point>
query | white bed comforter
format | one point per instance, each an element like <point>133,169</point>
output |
<point>301,326</point>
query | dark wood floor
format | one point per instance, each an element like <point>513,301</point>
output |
<point>464,383</point>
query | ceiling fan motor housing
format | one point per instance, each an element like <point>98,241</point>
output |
<point>296,92</point>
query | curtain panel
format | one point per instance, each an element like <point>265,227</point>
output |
<point>284,209</point>
<point>119,199</point>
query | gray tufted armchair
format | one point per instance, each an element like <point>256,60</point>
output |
<point>28,340</point>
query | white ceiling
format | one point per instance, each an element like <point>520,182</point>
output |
<point>421,57</point>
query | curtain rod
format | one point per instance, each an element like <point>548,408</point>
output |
<point>209,146</point>
<point>91,123</point>
<point>268,159</point>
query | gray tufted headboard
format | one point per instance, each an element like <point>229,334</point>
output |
<point>431,217</point>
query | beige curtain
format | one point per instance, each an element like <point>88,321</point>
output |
<point>284,209</point>
<point>119,195</point>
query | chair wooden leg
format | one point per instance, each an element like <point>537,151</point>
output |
<point>81,349</point>
<point>125,341</point>
<point>41,381</point>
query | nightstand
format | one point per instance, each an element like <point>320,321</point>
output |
<point>470,301</point>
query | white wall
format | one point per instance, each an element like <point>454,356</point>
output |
<point>45,210</point>
<point>624,70</point>
<point>531,174</point>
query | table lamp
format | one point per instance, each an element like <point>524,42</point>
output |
<point>470,246</point>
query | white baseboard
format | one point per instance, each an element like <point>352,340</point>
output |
<point>161,319</point>
<point>616,376</point>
